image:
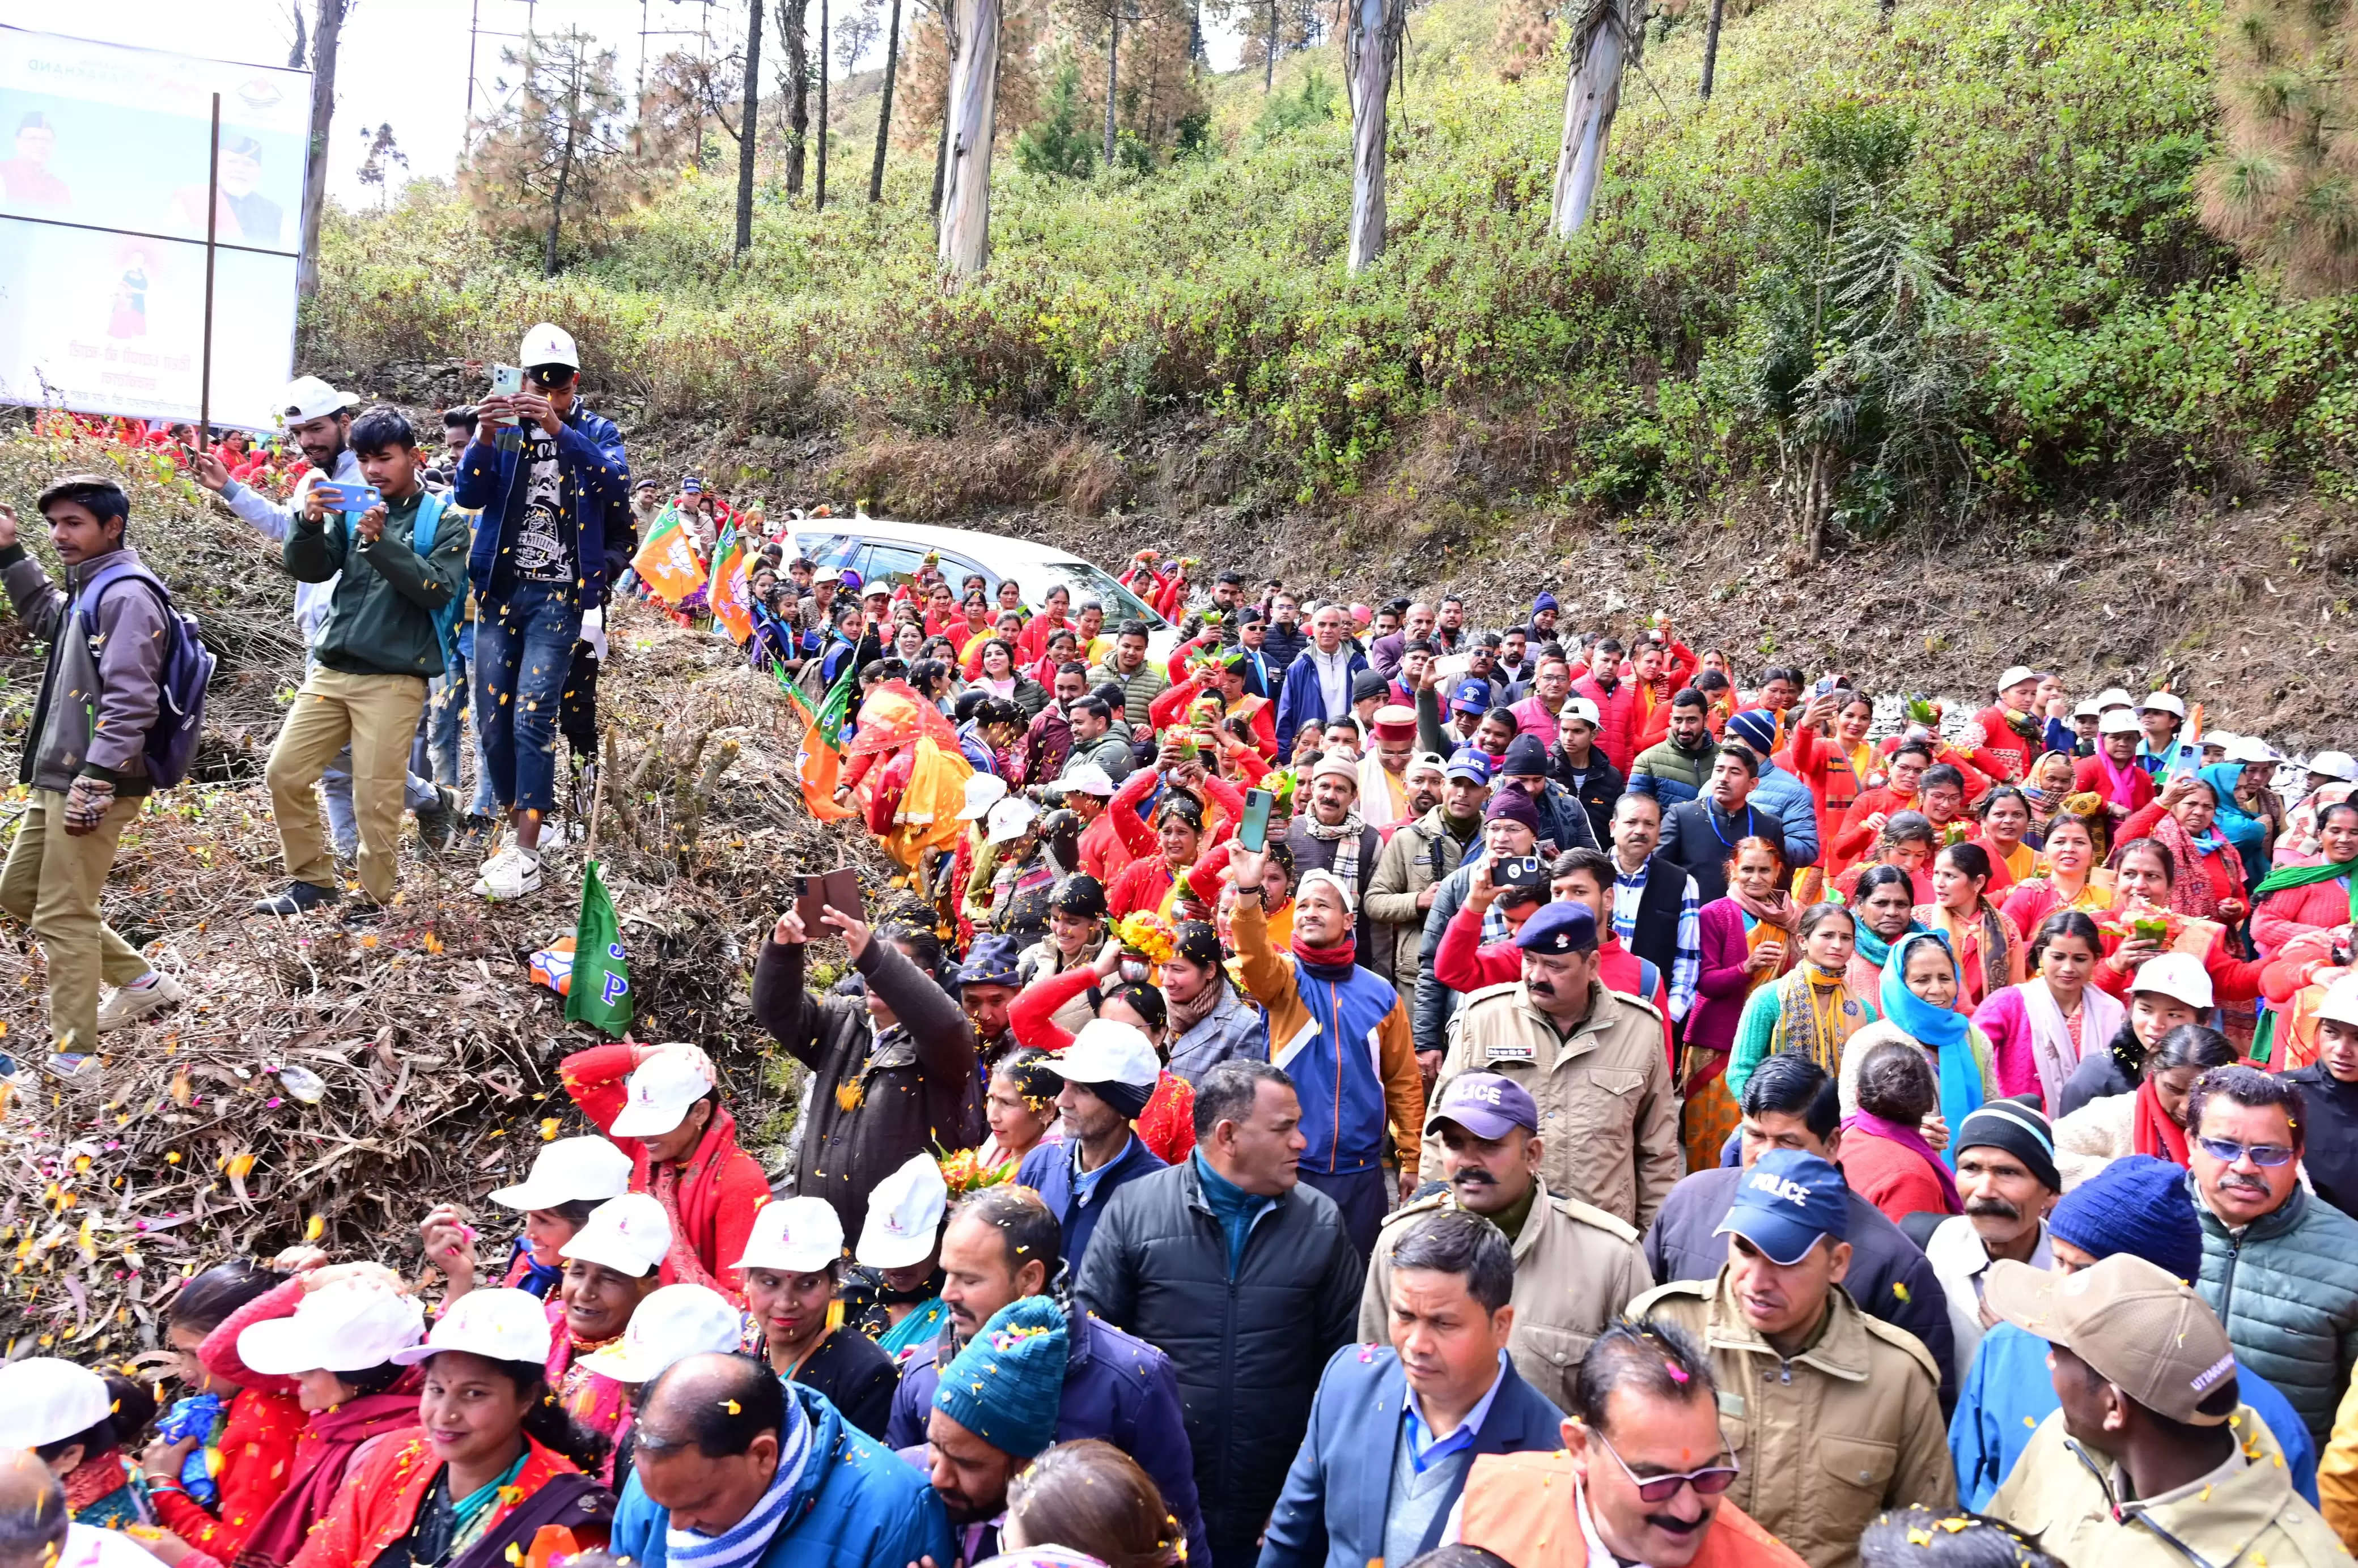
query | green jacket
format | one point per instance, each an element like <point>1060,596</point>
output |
<point>381,618</point>
<point>2287,1289</point>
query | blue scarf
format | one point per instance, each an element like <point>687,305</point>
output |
<point>1874,949</point>
<point>1937,1029</point>
<point>540,1278</point>
<point>748,1538</point>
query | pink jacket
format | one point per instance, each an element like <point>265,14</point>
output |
<point>1618,710</point>
<point>1531,717</point>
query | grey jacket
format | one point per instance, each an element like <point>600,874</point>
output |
<point>1421,853</point>
<point>1435,1003</point>
<point>98,697</point>
<point>1234,1029</point>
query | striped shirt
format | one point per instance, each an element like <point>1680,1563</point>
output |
<point>1686,963</point>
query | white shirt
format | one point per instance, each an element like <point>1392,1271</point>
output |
<point>1334,673</point>
<point>275,522</point>
<point>1958,1261</point>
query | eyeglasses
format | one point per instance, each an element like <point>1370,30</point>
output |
<point>2227,1151</point>
<point>1708,1482</point>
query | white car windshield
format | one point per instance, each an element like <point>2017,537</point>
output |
<point>1083,581</point>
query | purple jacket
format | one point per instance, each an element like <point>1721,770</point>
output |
<point>1117,1387</point>
<point>1722,987</point>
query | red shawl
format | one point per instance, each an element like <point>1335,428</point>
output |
<point>322,1454</point>
<point>690,1195</point>
<point>2151,1129</point>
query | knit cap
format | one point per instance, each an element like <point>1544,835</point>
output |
<point>2137,1204</point>
<point>1008,1384</point>
<point>2017,1127</point>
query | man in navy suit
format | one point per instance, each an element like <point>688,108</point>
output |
<point>1393,1431</point>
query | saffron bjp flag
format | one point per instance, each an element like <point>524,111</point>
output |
<point>731,600</point>
<point>894,716</point>
<point>819,763</point>
<point>667,563</point>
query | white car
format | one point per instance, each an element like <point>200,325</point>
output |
<point>891,552</point>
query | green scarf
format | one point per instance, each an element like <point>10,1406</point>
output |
<point>472,1514</point>
<point>2309,876</point>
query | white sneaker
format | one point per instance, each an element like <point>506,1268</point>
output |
<point>510,874</point>
<point>133,1003</point>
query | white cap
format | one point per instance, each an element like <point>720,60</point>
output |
<point>983,791</point>
<point>1425,762</point>
<point>1582,708</point>
<point>46,1399</point>
<point>794,1235</point>
<point>2252,749</point>
<point>1086,778</point>
<point>2016,674</point>
<point>2118,721</point>
<point>344,1327</point>
<point>671,1325</point>
<point>2226,740</point>
<point>630,1235</point>
<point>2179,976</point>
<point>498,1324</point>
<point>1105,1052</point>
<point>571,1169</point>
<point>307,398</point>
<point>1009,820</point>
<point>547,345</point>
<point>2090,709</point>
<point>658,1093</point>
<point>905,1211</point>
<point>2114,696</point>
<point>2334,765</point>
<point>2162,702</point>
<point>827,574</point>
<point>2341,1003</point>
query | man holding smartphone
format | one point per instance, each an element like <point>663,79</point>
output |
<point>557,530</point>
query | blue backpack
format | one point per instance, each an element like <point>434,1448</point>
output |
<point>180,686</point>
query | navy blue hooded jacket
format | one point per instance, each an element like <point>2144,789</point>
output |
<point>605,535</point>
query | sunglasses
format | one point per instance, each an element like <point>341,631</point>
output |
<point>1708,1482</point>
<point>2227,1151</point>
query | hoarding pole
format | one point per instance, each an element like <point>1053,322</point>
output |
<point>212,223</point>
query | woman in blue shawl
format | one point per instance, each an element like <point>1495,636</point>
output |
<point>1919,995</point>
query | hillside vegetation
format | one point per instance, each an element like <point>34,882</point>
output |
<point>2103,348</point>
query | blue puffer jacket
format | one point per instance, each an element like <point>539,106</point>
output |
<point>1117,1387</point>
<point>1796,811</point>
<point>1048,1171</point>
<point>589,450</point>
<point>857,1502</point>
<point>2288,1290</point>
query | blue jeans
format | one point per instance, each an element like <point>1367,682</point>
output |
<point>523,650</point>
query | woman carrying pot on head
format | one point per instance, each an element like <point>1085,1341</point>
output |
<point>493,1461</point>
<point>76,1421</point>
<point>791,1267</point>
<point>2073,880</point>
<point>2040,1029</point>
<point>1988,947</point>
<point>569,1178</point>
<point>1814,1009</point>
<point>2151,1118</point>
<point>1917,1003</point>
<point>222,1454</point>
<point>327,1335</point>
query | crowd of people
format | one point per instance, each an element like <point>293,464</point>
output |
<point>1340,1084</point>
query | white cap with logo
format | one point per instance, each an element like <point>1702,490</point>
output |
<point>659,1091</point>
<point>630,1235</point>
<point>671,1325</point>
<point>348,1327</point>
<point>571,1169</point>
<point>547,345</point>
<point>498,1324</point>
<point>794,1235</point>
<point>1009,820</point>
<point>2119,721</point>
<point>2334,765</point>
<point>46,1399</point>
<point>2177,976</point>
<point>983,791</point>
<point>903,1213</point>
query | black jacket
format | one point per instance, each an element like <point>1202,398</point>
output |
<point>2099,1075</point>
<point>1247,1351</point>
<point>1890,1277</point>
<point>1596,789</point>
<point>1280,645</point>
<point>1654,935</point>
<point>1700,838</point>
<point>857,1376</point>
<point>2330,1153</point>
<point>910,1088</point>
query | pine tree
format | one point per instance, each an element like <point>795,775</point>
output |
<point>2279,187</point>
<point>1058,143</point>
<point>376,164</point>
<point>561,151</point>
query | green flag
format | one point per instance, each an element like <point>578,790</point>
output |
<point>599,992</point>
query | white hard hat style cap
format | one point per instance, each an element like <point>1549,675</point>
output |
<point>349,1327</point>
<point>904,1213</point>
<point>630,1235</point>
<point>571,1169</point>
<point>671,1325</point>
<point>983,791</point>
<point>547,345</point>
<point>2177,976</point>
<point>794,1235</point>
<point>658,1094</point>
<point>46,1399</point>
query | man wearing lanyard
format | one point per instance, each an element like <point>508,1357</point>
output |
<point>1702,834</point>
<point>1348,1499</point>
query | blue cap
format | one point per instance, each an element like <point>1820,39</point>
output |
<point>2137,1205</point>
<point>1473,696</point>
<point>1007,1386</point>
<point>1486,1105</point>
<point>1465,762</point>
<point>1526,755</point>
<point>1786,1201</point>
<point>1756,728</point>
<point>990,962</point>
<point>1566,926</point>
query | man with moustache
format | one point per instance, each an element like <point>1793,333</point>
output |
<point>1576,1265</point>
<point>2006,1175</point>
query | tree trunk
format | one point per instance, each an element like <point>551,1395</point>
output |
<point>326,34</point>
<point>819,202</point>
<point>1711,47</point>
<point>1369,48</point>
<point>973,104</point>
<point>884,114</point>
<point>1269,63</point>
<point>1592,96</point>
<point>949,75</point>
<point>1113,71</point>
<point>302,36</point>
<point>748,129</point>
<point>792,15</point>
<point>564,172</point>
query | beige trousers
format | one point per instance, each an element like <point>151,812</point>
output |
<point>52,882</point>
<point>377,717</point>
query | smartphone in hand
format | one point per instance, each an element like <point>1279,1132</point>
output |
<point>1252,827</point>
<point>348,497</point>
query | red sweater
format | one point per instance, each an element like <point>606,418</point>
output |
<point>1894,1179</point>
<point>721,1184</point>
<point>258,1451</point>
<point>2087,776</point>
